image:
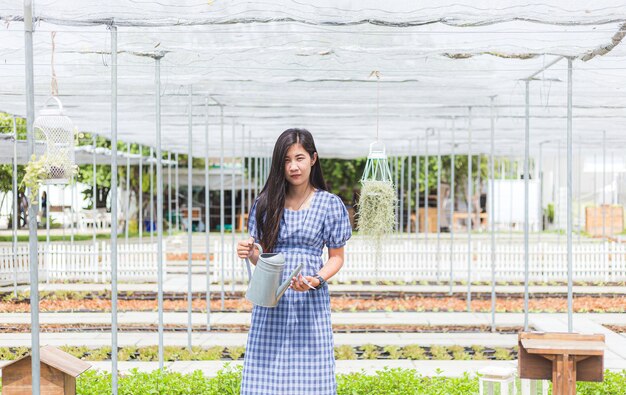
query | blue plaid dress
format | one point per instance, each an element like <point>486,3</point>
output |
<point>290,347</point>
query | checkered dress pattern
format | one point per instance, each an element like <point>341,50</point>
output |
<point>290,347</point>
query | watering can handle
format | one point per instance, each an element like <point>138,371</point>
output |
<point>257,245</point>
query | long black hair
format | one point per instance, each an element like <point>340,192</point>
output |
<point>271,201</point>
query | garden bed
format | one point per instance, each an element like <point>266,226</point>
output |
<point>582,304</point>
<point>237,328</point>
<point>344,352</point>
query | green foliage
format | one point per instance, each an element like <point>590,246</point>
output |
<point>344,352</point>
<point>386,381</point>
<point>415,352</point>
<point>342,176</point>
<point>394,352</point>
<point>503,354</point>
<point>370,351</point>
<point>236,352</point>
<point>440,353</point>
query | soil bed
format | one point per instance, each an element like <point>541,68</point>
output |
<point>582,304</point>
<point>59,328</point>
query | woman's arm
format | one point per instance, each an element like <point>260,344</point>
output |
<point>330,268</point>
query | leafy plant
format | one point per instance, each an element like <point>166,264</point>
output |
<point>440,353</point>
<point>370,351</point>
<point>344,352</point>
<point>503,354</point>
<point>236,352</point>
<point>415,352</point>
<point>394,352</point>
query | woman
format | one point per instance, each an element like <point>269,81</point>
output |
<point>290,346</point>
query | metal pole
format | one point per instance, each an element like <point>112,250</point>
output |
<point>417,191</point>
<point>540,191</point>
<point>491,218</point>
<point>233,209</point>
<point>526,195</point>
<point>426,189</point>
<point>152,222</point>
<point>580,183</point>
<point>603,176</point>
<point>222,252</point>
<point>249,169</point>
<point>207,214</point>
<point>114,170</point>
<point>159,210</point>
<point>470,194</point>
<point>243,178</point>
<point>570,295</point>
<point>409,190</point>
<point>401,206</point>
<point>94,211</point>
<point>72,217</point>
<point>176,193</point>
<point>140,200</point>
<point>452,201</point>
<point>127,220</point>
<point>15,212</point>
<point>438,205</point>
<point>511,179</point>
<point>169,192</point>
<point>94,192</point>
<point>32,208</point>
<point>189,212</point>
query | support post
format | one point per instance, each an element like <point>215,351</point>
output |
<point>189,212</point>
<point>159,210</point>
<point>114,208</point>
<point>470,194</point>
<point>570,295</point>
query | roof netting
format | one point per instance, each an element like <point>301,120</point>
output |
<point>279,64</point>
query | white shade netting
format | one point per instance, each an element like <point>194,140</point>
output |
<point>280,64</point>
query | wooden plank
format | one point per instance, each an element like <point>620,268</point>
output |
<point>573,347</point>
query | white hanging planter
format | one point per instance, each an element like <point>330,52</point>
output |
<point>377,202</point>
<point>55,132</point>
<point>53,162</point>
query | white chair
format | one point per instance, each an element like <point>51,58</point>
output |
<point>490,375</point>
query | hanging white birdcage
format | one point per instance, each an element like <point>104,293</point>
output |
<point>54,132</point>
<point>377,166</point>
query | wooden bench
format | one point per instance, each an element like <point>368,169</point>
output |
<point>562,357</point>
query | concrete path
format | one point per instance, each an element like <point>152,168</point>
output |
<point>338,318</point>
<point>178,283</point>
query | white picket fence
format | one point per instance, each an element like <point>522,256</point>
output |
<point>81,262</point>
<point>404,259</point>
<point>401,259</point>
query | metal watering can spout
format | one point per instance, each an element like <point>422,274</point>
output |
<point>265,288</point>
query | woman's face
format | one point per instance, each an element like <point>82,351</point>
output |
<point>298,165</point>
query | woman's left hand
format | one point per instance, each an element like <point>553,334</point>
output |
<point>300,283</point>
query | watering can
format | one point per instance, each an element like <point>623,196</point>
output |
<point>264,287</point>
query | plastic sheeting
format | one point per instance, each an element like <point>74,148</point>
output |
<point>279,64</point>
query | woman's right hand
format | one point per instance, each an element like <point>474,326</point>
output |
<point>245,248</point>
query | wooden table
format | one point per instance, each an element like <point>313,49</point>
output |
<point>562,357</point>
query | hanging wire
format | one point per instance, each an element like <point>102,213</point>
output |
<point>377,74</point>
<point>54,87</point>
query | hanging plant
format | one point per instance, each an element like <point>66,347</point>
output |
<point>34,173</point>
<point>38,170</point>
<point>377,208</point>
<point>376,214</point>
